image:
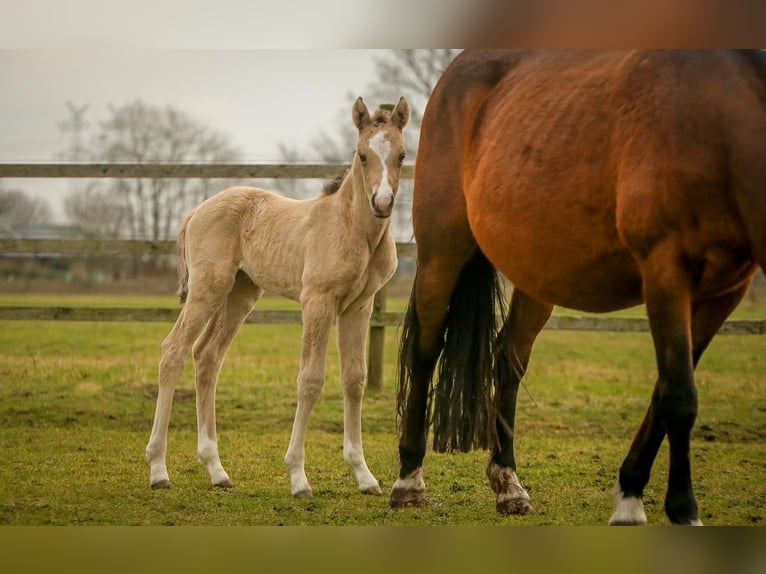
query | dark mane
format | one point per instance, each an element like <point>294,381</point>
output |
<point>331,187</point>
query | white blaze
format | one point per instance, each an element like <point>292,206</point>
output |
<point>383,194</point>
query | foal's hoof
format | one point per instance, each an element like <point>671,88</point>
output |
<point>514,506</point>
<point>225,484</point>
<point>373,491</point>
<point>306,493</point>
<point>161,484</point>
<point>401,498</point>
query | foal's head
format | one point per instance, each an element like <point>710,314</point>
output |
<point>380,152</point>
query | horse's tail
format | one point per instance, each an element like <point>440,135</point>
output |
<point>182,269</point>
<point>461,403</point>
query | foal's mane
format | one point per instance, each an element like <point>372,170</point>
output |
<point>331,187</point>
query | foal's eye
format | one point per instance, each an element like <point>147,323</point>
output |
<point>363,157</point>
<point>401,158</point>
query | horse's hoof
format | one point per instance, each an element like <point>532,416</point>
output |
<point>225,484</point>
<point>161,484</point>
<point>373,491</point>
<point>628,510</point>
<point>306,493</point>
<point>514,506</point>
<point>408,499</point>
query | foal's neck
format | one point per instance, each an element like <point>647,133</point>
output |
<point>354,200</point>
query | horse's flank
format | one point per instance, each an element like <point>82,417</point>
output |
<point>636,125</point>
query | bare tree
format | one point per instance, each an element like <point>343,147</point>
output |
<point>18,207</point>
<point>412,73</point>
<point>75,126</point>
<point>140,133</point>
<point>98,213</point>
<point>409,73</point>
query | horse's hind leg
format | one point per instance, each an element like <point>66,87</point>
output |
<point>175,350</point>
<point>352,338</point>
<point>526,319</point>
<point>707,318</point>
<point>209,352</point>
<point>421,344</point>
<point>318,314</point>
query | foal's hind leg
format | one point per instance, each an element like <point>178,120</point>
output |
<point>526,319</point>
<point>209,352</point>
<point>196,312</point>
<point>318,314</point>
<point>707,318</point>
<point>352,338</point>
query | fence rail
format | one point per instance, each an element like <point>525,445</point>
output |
<point>181,171</point>
<point>114,247</point>
<point>380,318</point>
<point>90,247</point>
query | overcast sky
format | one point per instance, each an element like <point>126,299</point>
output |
<point>258,98</point>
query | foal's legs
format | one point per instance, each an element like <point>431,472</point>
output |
<point>200,305</point>
<point>318,314</point>
<point>352,338</point>
<point>679,342</point>
<point>526,319</point>
<point>209,352</point>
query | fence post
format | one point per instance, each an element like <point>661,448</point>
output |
<point>376,343</point>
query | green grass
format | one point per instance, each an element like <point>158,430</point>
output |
<point>748,309</point>
<point>135,301</point>
<point>77,400</point>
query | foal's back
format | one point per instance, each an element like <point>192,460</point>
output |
<point>255,230</point>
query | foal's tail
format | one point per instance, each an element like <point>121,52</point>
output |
<point>462,401</point>
<point>183,270</point>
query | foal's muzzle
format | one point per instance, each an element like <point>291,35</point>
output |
<point>382,204</point>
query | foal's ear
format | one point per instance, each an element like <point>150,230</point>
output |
<point>401,114</point>
<point>360,114</point>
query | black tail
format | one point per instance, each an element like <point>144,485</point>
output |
<point>461,403</point>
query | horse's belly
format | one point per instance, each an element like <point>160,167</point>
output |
<point>581,266</point>
<point>279,277</point>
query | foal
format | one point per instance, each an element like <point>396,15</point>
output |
<point>332,253</point>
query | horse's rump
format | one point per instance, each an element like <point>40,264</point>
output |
<point>573,164</point>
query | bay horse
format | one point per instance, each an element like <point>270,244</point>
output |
<point>332,253</point>
<point>591,180</point>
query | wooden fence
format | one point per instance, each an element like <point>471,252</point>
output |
<point>381,318</point>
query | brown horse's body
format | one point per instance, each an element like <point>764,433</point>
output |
<point>595,181</point>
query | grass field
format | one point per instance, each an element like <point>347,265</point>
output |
<point>77,400</point>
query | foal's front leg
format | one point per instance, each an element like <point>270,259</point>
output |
<point>353,326</point>
<point>318,313</point>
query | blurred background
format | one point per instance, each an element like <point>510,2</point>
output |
<point>246,107</point>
